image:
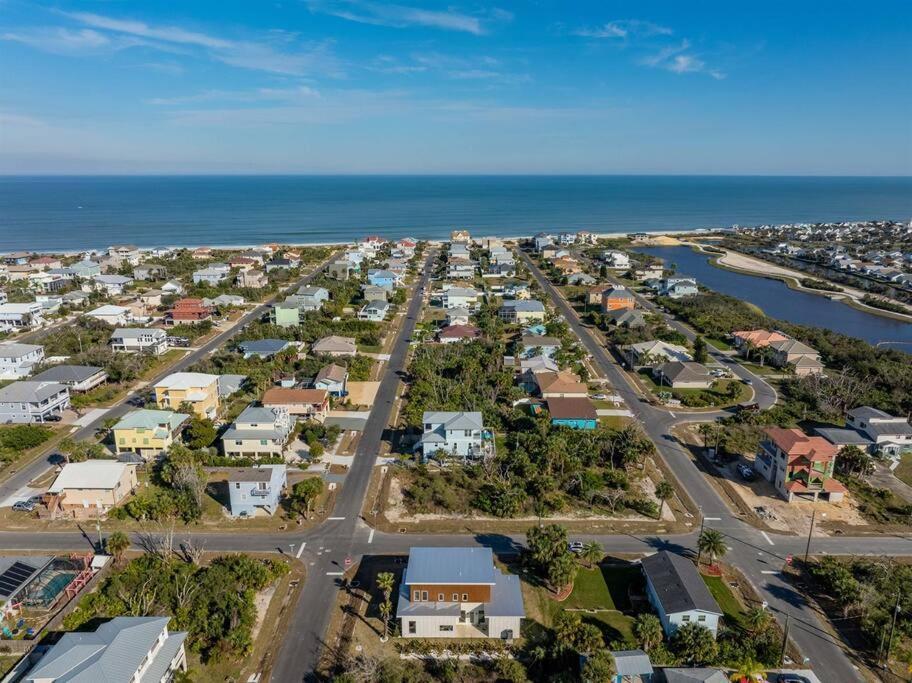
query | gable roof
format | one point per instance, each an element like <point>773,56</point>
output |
<point>263,347</point>
<point>450,566</point>
<point>334,343</point>
<point>454,419</point>
<point>15,350</point>
<point>687,371</point>
<point>151,419</point>
<point>331,373</point>
<point>29,391</point>
<point>573,408</point>
<point>67,373</point>
<point>562,381</point>
<point>797,444</point>
<point>677,584</point>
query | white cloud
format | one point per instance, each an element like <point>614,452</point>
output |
<point>59,40</point>
<point>402,16</point>
<point>677,59</point>
<point>168,34</point>
<point>624,28</point>
<point>297,93</point>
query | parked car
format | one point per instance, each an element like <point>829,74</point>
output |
<point>24,505</point>
<point>747,473</point>
<point>53,418</point>
<point>600,397</point>
<point>576,546</point>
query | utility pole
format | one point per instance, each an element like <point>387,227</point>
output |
<point>807,548</point>
<point>785,638</point>
<point>702,521</point>
<point>892,628</point>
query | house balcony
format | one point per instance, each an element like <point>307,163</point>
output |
<point>261,493</point>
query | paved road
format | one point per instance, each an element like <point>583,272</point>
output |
<point>344,535</point>
<point>42,464</point>
<point>755,554</point>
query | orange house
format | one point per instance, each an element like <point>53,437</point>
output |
<point>617,300</point>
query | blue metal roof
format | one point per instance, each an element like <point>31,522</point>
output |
<point>450,566</point>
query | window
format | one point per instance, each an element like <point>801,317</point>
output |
<point>424,596</point>
<point>417,597</point>
<point>237,485</point>
<point>455,597</point>
<point>465,597</point>
<point>440,597</point>
<point>413,627</point>
<point>264,442</point>
<point>446,628</point>
<point>702,617</point>
<point>685,618</point>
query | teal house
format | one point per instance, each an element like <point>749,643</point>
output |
<point>575,413</point>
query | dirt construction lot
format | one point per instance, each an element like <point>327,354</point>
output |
<point>362,393</point>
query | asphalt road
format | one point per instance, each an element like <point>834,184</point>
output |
<point>42,464</point>
<point>344,534</point>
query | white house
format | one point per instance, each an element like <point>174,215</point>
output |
<point>79,378</point>
<point>458,593</point>
<point>459,297</point>
<point>677,592</point>
<point>111,314</point>
<point>212,275</point>
<point>616,260</point>
<point>375,311</point>
<point>139,340</point>
<point>891,436</point>
<point>112,285</point>
<point>14,317</point>
<point>258,431</point>
<point>19,360</point>
<point>453,433</point>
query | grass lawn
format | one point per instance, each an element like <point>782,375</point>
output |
<point>161,362</point>
<point>604,588</point>
<point>718,343</point>
<point>762,369</point>
<point>904,471</point>
<point>614,421</point>
<point>731,608</point>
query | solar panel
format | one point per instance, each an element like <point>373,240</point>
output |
<point>14,577</point>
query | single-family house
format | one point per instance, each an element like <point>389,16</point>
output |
<point>575,413</point>
<point>45,263</point>
<point>458,316</point>
<point>531,345</point>
<point>149,272</point>
<point>627,318</point>
<point>150,299</point>
<point>458,333</point>
<point>201,254</point>
<point>890,436</point>
<point>632,666</point>
<point>677,592</point>
<point>522,312</point>
<point>172,288</point>
<point>653,353</point>
<point>798,465</point>
<point>677,288</point>
<point>460,434</point>
<point>198,389</point>
<point>617,299</point>
<point>528,368</point>
<point>76,299</point>
<point>746,341</point>
<point>286,313</point>
<point>580,279</point>
<point>616,260</point>
<point>211,275</point>
<point>263,348</point>
<point>188,311</point>
<point>560,384</point>
<point>256,488</point>
<point>311,298</point>
<point>333,379</point>
<point>29,401</point>
<point>121,650</point>
<point>152,340</point>
<point>147,433</point>
<point>85,489</point>
<point>17,258</point>
<point>224,301</point>
<point>310,404</point>
<point>20,316</point>
<point>375,311</point>
<point>382,278</point>
<point>124,254</point>
<point>258,431</point>
<point>85,270</point>
<point>499,270</point>
<point>461,270</point>
<point>335,345</point>
<point>111,314</point>
<point>19,360</point>
<point>459,297</point>
<point>374,293</point>
<point>797,355</point>
<point>79,378</point>
<point>682,375</point>
<point>458,593</point>
<point>340,269</point>
<point>112,285</point>
<point>252,279</point>
<point>700,674</point>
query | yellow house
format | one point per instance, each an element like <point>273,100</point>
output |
<point>86,489</point>
<point>196,388</point>
<point>147,433</point>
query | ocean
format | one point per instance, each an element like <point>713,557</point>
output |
<point>86,212</point>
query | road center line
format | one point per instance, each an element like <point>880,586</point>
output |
<point>769,571</point>
<point>335,573</point>
<point>370,539</point>
<point>713,519</point>
<point>300,550</point>
<point>334,519</point>
<point>768,539</point>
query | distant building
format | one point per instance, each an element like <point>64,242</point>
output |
<point>19,360</point>
<point>152,340</point>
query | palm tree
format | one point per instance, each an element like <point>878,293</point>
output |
<point>748,671</point>
<point>757,619</point>
<point>385,581</point>
<point>648,631</point>
<point>386,608</point>
<point>117,544</point>
<point>664,491</point>
<point>592,553</point>
<point>712,543</point>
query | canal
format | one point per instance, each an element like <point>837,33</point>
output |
<point>778,301</point>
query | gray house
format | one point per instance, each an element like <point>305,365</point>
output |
<point>76,377</point>
<point>258,431</point>
<point>121,650</point>
<point>452,433</point>
<point>678,593</point>
<point>22,402</point>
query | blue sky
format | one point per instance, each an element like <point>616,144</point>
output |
<point>545,86</point>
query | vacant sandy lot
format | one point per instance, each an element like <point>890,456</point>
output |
<point>362,393</point>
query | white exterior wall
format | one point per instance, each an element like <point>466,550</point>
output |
<point>429,627</point>
<point>498,626</point>
<point>680,618</point>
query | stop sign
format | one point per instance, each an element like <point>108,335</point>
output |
<point>348,561</point>
<point>788,559</point>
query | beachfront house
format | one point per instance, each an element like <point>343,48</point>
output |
<point>251,489</point>
<point>458,593</point>
<point>147,433</point>
<point>459,434</point>
<point>19,360</point>
<point>152,340</point>
<point>30,401</point>
<point>258,431</point>
<point>798,465</point>
<point>678,594</point>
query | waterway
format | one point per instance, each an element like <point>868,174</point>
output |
<point>778,301</point>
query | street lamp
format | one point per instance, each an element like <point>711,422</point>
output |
<point>702,521</point>
<point>807,549</point>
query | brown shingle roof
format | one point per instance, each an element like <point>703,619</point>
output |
<point>572,409</point>
<point>280,396</point>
